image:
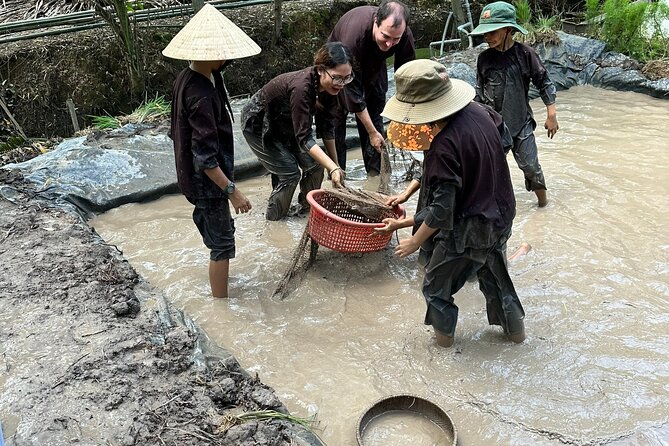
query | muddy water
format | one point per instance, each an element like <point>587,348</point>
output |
<point>404,428</point>
<point>595,287</point>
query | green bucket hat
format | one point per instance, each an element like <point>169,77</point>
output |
<point>495,16</point>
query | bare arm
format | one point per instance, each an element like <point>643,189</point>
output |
<point>336,173</point>
<point>403,196</point>
<point>410,245</point>
<point>551,124</point>
<point>331,150</point>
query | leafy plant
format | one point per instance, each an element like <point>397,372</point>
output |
<point>523,12</point>
<point>148,110</point>
<point>631,28</point>
<point>541,30</point>
<point>546,24</point>
<point>105,122</point>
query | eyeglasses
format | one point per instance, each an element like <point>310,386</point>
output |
<point>340,80</point>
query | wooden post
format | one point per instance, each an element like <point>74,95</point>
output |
<point>197,5</point>
<point>73,114</point>
<point>277,21</point>
<point>11,118</point>
<point>460,18</point>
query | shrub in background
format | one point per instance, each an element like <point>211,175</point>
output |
<point>630,28</point>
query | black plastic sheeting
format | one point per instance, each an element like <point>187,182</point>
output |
<point>581,61</point>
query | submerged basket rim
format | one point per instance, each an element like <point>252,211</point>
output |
<point>397,402</point>
<point>316,206</point>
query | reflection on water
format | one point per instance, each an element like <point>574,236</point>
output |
<point>595,287</point>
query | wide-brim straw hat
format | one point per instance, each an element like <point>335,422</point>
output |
<point>210,35</point>
<point>424,94</point>
<point>495,16</point>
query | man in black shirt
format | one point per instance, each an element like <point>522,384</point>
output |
<point>202,133</point>
<point>373,34</point>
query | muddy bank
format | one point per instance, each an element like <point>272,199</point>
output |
<point>91,354</point>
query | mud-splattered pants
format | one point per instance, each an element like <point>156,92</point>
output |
<point>527,157</point>
<point>289,167</point>
<point>446,273</point>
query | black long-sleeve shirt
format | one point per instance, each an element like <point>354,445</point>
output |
<point>201,129</point>
<point>503,82</point>
<point>355,30</point>
<point>466,185</point>
<point>287,105</point>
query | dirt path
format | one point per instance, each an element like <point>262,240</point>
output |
<point>90,354</point>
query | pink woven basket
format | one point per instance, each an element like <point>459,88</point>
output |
<point>333,225</point>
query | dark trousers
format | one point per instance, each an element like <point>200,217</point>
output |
<point>527,157</point>
<point>447,272</point>
<point>371,157</point>
<point>289,167</point>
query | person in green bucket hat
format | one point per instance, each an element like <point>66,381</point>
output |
<point>503,75</point>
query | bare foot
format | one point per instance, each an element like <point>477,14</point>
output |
<point>523,249</point>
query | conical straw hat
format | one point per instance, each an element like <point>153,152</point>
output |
<point>210,35</point>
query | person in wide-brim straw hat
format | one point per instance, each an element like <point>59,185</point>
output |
<point>466,204</point>
<point>425,94</point>
<point>201,129</point>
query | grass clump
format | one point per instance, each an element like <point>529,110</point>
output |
<point>152,110</point>
<point>541,30</point>
<point>631,28</point>
<point>148,111</point>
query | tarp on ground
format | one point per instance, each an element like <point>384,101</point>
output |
<point>578,61</point>
<point>135,163</point>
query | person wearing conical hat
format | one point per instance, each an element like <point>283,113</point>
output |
<point>467,202</point>
<point>503,75</point>
<point>201,129</point>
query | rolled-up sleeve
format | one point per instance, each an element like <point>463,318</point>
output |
<point>204,139</point>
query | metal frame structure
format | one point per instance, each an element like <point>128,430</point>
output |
<point>465,28</point>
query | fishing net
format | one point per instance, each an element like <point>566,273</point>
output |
<point>351,204</point>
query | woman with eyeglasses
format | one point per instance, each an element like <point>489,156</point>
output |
<point>277,123</point>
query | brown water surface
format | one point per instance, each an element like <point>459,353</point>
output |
<point>595,366</point>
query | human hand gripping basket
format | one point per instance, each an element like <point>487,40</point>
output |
<point>335,224</point>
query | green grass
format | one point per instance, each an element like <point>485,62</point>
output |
<point>147,111</point>
<point>105,122</point>
<point>156,108</point>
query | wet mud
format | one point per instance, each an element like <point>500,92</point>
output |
<point>91,354</point>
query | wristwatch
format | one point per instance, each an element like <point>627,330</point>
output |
<point>229,189</point>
